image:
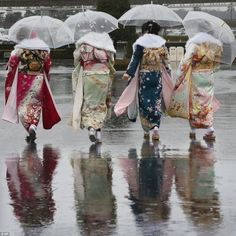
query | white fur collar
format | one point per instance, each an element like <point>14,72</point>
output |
<point>98,40</point>
<point>149,41</point>
<point>33,44</point>
<point>203,37</point>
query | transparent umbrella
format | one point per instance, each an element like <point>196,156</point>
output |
<point>162,15</point>
<point>87,21</point>
<point>198,21</point>
<point>54,32</point>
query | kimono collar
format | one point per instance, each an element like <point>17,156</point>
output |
<point>203,37</point>
<point>149,41</point>
<point>98,40</point>
<point>33,44</point>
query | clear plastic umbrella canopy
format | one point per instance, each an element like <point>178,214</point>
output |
<point>162,15</point>
<point>88,21</point>
<point>54,32</point>
<point>198,21</point>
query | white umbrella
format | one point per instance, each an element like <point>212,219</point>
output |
<point>162,15</point>
<point>198,21</point>
<point>91,21</point>
<point>54,32</point>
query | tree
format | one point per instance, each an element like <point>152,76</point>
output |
<point>116,9</point>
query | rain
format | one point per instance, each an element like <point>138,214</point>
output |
<point>67,185</point>
<point>63,184</point>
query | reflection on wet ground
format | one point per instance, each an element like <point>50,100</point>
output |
<point>64,185</point>
<point>29,180</point>
<point>151,179</point>
<point>95,203</point>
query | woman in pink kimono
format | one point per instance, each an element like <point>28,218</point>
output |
<point>202,57</point>
<point>91,82</point>
<point>27,90</point>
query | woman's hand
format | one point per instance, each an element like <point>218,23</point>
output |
<point>108,102</point>
<point>125,76</point>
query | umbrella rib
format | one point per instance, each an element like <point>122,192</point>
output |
<point>50,35</point>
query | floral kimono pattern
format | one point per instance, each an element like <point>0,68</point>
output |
<point>200,60</point>
<point>151,61</point>
<point>30,67</point>
<point>93,74</point>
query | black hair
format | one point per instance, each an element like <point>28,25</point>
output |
<point>151,27</point>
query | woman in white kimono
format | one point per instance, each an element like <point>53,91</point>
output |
<point>91,82</point>
<point>202,57</point>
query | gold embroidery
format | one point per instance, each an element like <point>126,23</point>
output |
<point>152,58</point>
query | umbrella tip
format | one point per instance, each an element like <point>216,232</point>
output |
<point>151,2</point>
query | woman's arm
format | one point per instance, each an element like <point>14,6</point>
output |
<point>185,63</point>
<point>47,64</point>
<point>135,60</point>
<point>11,71</point>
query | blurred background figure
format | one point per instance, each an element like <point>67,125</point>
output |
<point>27,91</point>
<point>29,180</point>
<point>94,200</point>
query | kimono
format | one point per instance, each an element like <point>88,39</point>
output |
<point>202,57</point>
<point>27,90</point>
<point>92,80</point>
<point>145,68</point>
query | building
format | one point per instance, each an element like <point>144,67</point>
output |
<point>29,3</point>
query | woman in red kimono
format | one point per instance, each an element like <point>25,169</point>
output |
<point>27,90</point>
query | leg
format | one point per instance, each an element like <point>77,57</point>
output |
<point>98,136</point>
<point>146,135</point>
<point>150,103</point>
<point>192,134</point>
<point>29,117</point>
<point>92,134</point>
<point>210,134</point>
<point>155,133</point>
<point>30,106</point>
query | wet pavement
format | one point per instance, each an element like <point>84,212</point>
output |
<point>64,185</point>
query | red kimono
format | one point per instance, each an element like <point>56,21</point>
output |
<point>27,90</point>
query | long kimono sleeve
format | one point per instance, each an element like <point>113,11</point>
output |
<point>135,60</point>
<point>77,56</point>
<point>112,72</point>
<point>165,60</point>
<point>11,66</point>
<point>186,62</point>
<point>47,65</point>
<point>76,71</point>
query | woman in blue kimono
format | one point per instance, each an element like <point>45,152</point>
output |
<point>149,56</point>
